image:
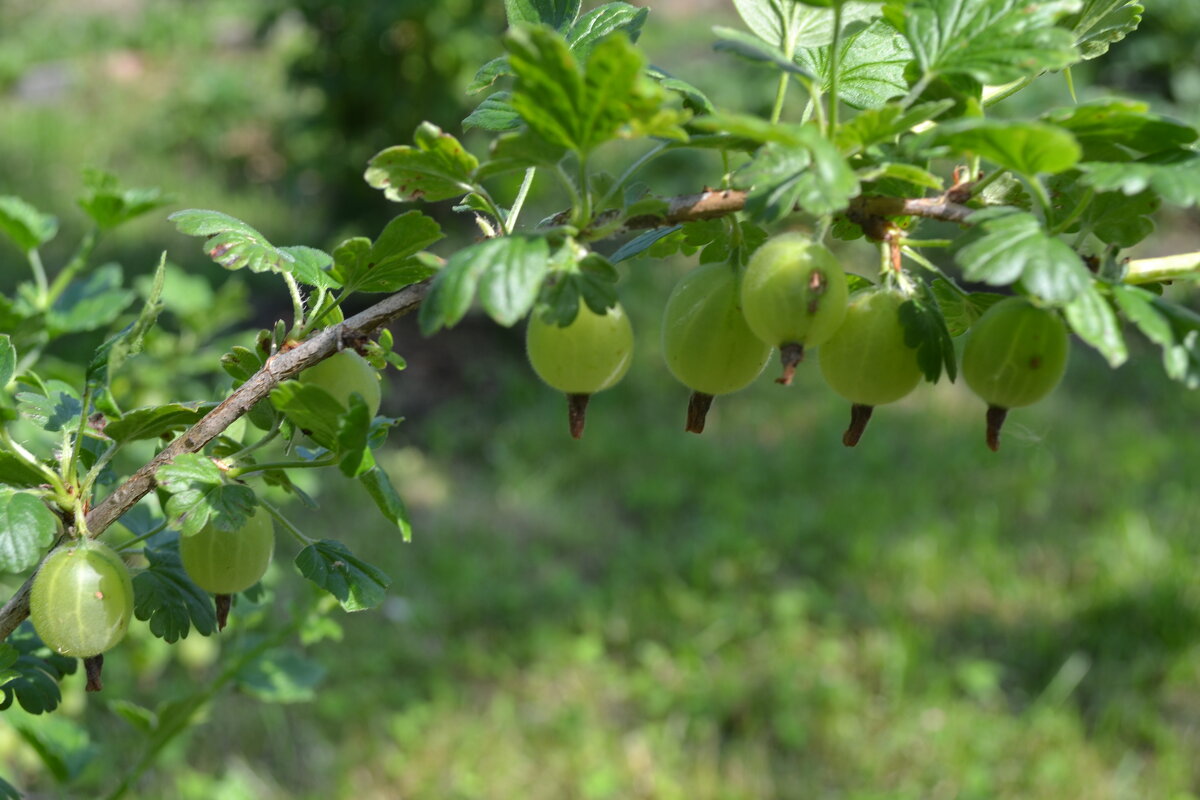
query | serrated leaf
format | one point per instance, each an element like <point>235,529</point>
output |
<point>166,598</point>
<point>310,266</point>
<point>90,303</point>
<point>353,430</point>
<point>495,114</point>
<point>1093,320</point>
<point>281,675</point>
<point>109,205</point>
<point>993,41</point>
<point>878,125</point>
<point>27,529</point>
<point>232,243</point>
<point>1027,148</point>
<point>387,500</point>
<point>558,14</point>
<point>390,263</point>
<point>871,62</point>
<point>356,584</point>
<point>241,363</point>
<point>603,21</point>
<point>128,343</point>
<point>788,24</point>
<point>1173,174</point>
<point>16,471</point>
<point>641,243</point>
<point>311,409</point>
<point>436,168</point>
<point>151,422</point>
<point>35,682</point>
<point>752,48</point>
<point>200,496</point>
<point>488,74</point>
<point>925,331</point>
<point>693,98</point>
<point>960,311</point>
<point>1111,216</point>
<point>61,407</point>
<point>809,174</point>
<point>1101,23</point>
<point>908,173</point>
<point>1006,246</point>
<point>507,271</point>
<point>1140,307</point>
<point>27,227</point>
<point>1115,121</point>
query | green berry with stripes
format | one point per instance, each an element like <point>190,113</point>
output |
<point>227,562</point>
<point>81,599</point>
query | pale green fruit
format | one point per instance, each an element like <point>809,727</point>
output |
<point>81,599</point>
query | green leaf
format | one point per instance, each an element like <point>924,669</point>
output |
<point>1113,121</point>
<point>1093,320</point>
<point>488,74</point>
<point>1027,148</point>
<point>960,311</point>
<point>8,360</point>
<point>27,529</point>
<point>142,719</point>
<point>693,98</point>
<point>558,14</point>
<point>310,266</point>
<point>871,62</point>
<point>35,682</point>
<point>591,280</point>
<point>495,113</point>
<point>232,243</point>
<point>788,25</point>
<point>993,41</point>
<point>437,168</point>
<point>1173,174</point>
<point>353,431</point>
<point>62,744</point>
<point>884,124</point>
<point>387,500</point>
<point>808,173</point>
<point>109,205</point>
<point>90,303</point>
<point>908,173</point>
<point>603,21</point>
<point>751,48</point>
<point>27,227</point>
<point>241,363</point>
<point>1007,245</point>
<point>356,584</point>
<point>1174,329</point>
<point>925,331</point>
<point>1101,23</point>
<point>166,598</point>
<point>390,263</point>
<point>152,422</point>
<point>311,409</point>
<point>128,343</point>
<point>281,675</point>
<point>641,243</point>
<point>60,407</point>
<point>8,791</point>
<point>16,471</point>
<point>507,271</point>
<point>200,496</point>
<point>1111,216</point>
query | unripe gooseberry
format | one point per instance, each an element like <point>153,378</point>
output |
<point>589,355</point>
<point>226,562</point>
<point>343,374</point>
<point>866,361</point>
<point>1015,356</point>
<point>81,599</point>
<point>793,297</point>
<point>706,342</point>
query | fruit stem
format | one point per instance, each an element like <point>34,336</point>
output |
<point>577,413</point>
<point>860,415</point>
<point>790,356</point>
<point>697,412</point>
<point>92,665</point>
<point>995,421</point>
<point>223,603</point>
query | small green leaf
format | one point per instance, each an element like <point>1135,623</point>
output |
<point>871,62</point>
<point>35,683</point>
<point>390,263</point>
<point>752,48</point>
<point>16,471</point>
<point>27,227</point>
<point>166,598</point>
<point>603,21</point>
<point>310,266</point>
<point>353,431</point>
<point>495,114</point>
<point>356,584</point>
<point>641,243</point>
<point>27,529</point>
<point>200,496</point>
<point>1173,174</point>
<point>808,173</point>
<point>908,173</point>
<point>1007,245</point>
<point>109,205</point>
<point>993,41</point>
<point>62,744</point>
<point>281,675</point>
<point>311,409</point>
<point>787,24</point>
<point>925,331</point>
<point>960,311</point>
<point>387,500</point>
<point>1115,121</point>
<point>232,243</point>
<point>1101,23</point>
<point>693,98</point>
<point>884,124</point>
<point>152,422</point>
<point>60,407</point>
<point>558,14</point>
<point>1093,320</point>
<point>437,168</point>
<point>488,74</point>
<point>507,272</point>
<point>1027,148</point>
<point>90,303</point>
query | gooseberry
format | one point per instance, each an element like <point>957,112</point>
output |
<point>706,341</point>
<point>344,374</point>
<point>866,361</point>
<point>226,562</point>
<point>81,599</point>
<point>589,355</point>
<point>1015,356</point>
<point>793,297</point>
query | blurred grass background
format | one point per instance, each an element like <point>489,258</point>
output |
<point>753,613</point>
